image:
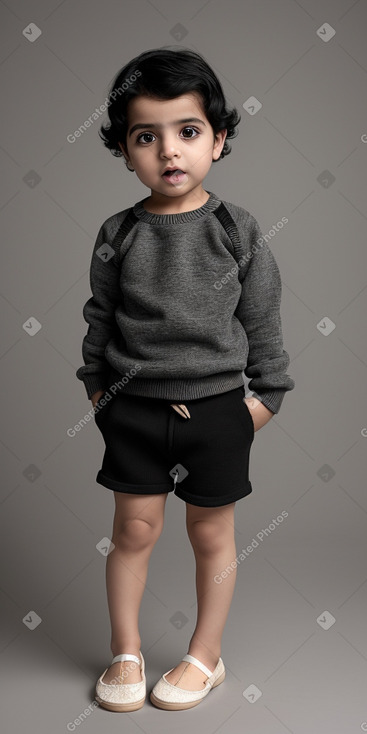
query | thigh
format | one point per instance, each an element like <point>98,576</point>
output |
<point>222,516</point>
<point>213,447</point>
<point>134,429</point>
<point>148,507</point>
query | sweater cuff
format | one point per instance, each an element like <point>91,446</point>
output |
<point>93,383</point>
<point>272,399</point>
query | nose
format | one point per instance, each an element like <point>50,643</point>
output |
<point>169,146</point>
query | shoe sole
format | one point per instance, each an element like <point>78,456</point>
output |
<point>172,706</point>
<point>120,707</point>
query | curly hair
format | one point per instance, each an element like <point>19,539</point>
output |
<point>166,73</point>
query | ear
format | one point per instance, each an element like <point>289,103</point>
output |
<point>220,139</point>
<point>123,150</point>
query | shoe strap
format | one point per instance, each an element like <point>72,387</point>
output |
<point>125,656</point>
<point>190,659</point>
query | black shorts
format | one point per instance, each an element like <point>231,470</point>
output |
<point>151,449</point>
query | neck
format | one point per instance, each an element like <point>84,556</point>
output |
<point>158,204</point>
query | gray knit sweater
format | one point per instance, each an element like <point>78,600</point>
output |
<point>173,321</point>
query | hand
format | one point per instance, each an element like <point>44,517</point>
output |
<point>259,413</point>
<point>96,396</point>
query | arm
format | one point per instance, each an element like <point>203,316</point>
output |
<point>259,313</point>
<point>99,313</point>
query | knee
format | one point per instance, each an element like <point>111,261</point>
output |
<point>206,537</point>
<point>135,534</point>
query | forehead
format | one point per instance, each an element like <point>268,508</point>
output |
<point>146,109</point>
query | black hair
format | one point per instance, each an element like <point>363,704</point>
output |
<point>166,73</point>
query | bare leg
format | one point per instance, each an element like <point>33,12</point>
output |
<point>211,533</point>
<point>137,525</point>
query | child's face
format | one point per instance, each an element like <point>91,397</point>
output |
<point>162,140</point>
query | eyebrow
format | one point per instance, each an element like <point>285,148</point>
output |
<point>141,126</point>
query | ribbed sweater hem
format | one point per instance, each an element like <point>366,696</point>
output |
<point>176,388</point>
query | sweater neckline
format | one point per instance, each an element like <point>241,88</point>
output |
<point>180,218</point>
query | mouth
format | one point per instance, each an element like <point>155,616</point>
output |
<point>175,175</point>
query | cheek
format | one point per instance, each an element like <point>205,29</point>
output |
<point>202,156</point>
<point>205,148</point>
<point>143,158</point>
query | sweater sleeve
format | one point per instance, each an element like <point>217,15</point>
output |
<point>259,313</point>
<point>99,313</point>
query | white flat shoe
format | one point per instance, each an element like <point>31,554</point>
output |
<point>165,695</point>
<point>124,696</point>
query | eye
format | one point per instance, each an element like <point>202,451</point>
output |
<point>140,137</point>
<point>194,129</point>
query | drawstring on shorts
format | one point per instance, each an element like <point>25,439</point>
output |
<point>181,409</point>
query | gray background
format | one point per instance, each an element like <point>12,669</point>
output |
<point>309,461</point>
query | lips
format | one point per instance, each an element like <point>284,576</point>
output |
<point>170,171</point>
<point>175,176</point>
